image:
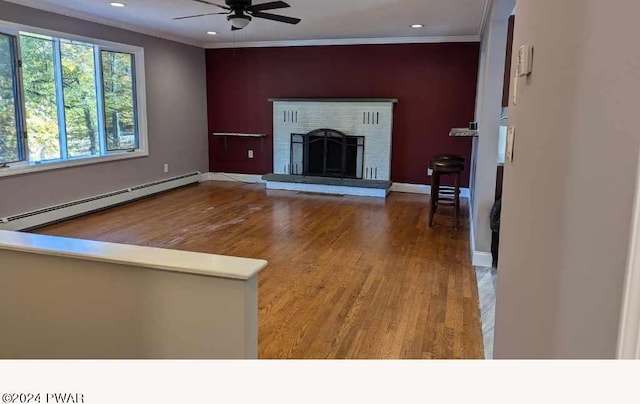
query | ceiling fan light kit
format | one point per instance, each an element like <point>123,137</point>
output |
<point>240,12</point>
<point>239,21</point>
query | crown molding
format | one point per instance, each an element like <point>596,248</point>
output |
<point>255,44</point>
<point>104,21</point>
<point>486,14</point>
<point>346,41</point>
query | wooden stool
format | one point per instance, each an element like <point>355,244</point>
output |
<point>446,195</point>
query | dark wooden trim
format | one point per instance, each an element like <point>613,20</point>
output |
<point>507,66</point>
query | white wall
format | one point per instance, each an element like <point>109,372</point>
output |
<point>488,112</point>
<point>77,299</point>
<point>568,195</point>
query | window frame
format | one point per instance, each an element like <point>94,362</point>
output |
<point>140,107</point>
<point>17,101</point>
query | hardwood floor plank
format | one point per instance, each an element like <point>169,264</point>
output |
<point>348,277</point>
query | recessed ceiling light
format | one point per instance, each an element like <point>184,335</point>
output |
<point>212,33</point>
<point>417,26</point>
<point>117,4</point>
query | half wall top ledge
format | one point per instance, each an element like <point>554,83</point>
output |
<point>392,100</point>
<point>147,257</point>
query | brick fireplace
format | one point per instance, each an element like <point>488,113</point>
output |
<point>339,139</point>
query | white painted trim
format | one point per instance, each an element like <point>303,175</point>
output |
<point>257,179</point>
<point>478,258</point>
<point>37,4</point>
<point>482,259</point>
<point>70,209</point>
<point>411,188</point>
<point>629,333</point>
<point>421,189</point>
<point>327,189</point>
<point>344,41</point>
<point>486,16</point>
<point>232,177</point>
<point>219,266</point>
<point>22,168</point>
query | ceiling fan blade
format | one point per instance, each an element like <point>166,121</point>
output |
<point>213,4</point>
<point>268,6</point>
<point>273,17</point>
<point>235,29</point>
<point>198,15</point>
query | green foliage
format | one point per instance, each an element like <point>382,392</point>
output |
<point>40,98</point>
<point>119,100</point>
<point>77,73</point>
<point>80,106</point>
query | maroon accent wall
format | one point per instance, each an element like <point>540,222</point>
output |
<point>435,85</point>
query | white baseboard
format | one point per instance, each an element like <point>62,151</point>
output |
<point>71,209</point>
<point>232,177</point>
<point>482,259</point>
<point>411,188</point>
<point>478,258</point>
<point>421,189</point>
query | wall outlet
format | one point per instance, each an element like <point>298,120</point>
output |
<point>166,168</point>
<point>250,154</point>
<point>429,172</point>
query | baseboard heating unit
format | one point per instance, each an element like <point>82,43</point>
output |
<point>28,220</point>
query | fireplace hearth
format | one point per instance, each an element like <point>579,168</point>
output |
<point>327,153</point>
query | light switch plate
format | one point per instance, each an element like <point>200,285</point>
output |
<point>524,60</point>
<point>250,154</point>
<point>511,134</point>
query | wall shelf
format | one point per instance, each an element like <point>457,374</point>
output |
<point>463,132</point>
<point>261,136</point>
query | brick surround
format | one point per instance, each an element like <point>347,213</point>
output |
<point>372,119</point>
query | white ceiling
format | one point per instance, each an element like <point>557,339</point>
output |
<point>339,21</point>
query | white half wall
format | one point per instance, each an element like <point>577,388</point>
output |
<point>77,299</point>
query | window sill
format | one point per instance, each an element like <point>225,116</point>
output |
<point>20,169</point>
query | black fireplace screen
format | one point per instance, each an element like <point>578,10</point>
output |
<point>327,153</point>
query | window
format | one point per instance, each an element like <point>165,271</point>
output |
<point>119,92</point>
<point>66,100</point>
<point>41,107</point>
<point>10,150</point>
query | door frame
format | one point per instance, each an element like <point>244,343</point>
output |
<point>629,333</point>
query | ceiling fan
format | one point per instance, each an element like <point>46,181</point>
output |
<point>241,12</point>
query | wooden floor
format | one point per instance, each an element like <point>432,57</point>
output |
<point>348,277</point>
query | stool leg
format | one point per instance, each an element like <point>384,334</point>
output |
<point>457,199</point>
<point>435,190</point>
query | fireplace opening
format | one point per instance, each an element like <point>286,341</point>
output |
<point>327,153</point>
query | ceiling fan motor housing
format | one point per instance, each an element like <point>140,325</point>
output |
<point>238,4</point>
<point>240,12</point>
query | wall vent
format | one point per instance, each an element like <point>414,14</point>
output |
<point>371,118</point>
<point>290,116</point>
